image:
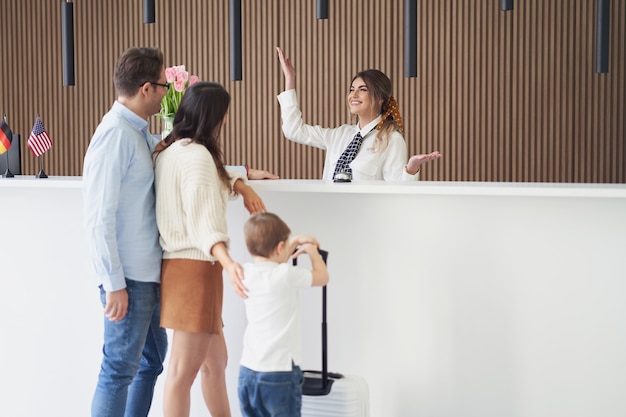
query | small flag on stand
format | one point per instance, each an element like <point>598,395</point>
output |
<point>38,143</point>
<point>6,136</point>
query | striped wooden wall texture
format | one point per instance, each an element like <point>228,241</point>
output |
<point>505,96</point>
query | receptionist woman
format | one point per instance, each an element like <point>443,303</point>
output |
<point>374,148</point>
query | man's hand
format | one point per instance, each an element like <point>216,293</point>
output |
<point>117,305</point>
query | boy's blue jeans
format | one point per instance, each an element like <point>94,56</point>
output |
<point>270,394</point>
<point>133,353</point>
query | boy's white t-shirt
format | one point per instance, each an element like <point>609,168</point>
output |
<point>272,337</point>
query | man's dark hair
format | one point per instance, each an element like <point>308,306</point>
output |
<point>135,67</point>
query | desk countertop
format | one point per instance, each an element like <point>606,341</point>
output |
<point>379,187</point>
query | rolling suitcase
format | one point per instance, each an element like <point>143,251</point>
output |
<point>327,394</point>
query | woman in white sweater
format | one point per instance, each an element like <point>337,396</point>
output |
<point>192,190</point>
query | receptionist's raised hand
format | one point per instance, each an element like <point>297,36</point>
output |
<point>288,70</point>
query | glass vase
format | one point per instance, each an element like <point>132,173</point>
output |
<point>167,125</point>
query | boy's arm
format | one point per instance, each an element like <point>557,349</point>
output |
<point>319,272</point>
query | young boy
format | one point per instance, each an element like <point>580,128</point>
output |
<point>270,380</point>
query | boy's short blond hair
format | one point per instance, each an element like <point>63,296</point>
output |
<point>263,232</point>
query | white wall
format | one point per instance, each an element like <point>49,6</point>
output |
<point>451,300</point>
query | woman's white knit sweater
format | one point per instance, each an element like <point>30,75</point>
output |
<point>190,201</point>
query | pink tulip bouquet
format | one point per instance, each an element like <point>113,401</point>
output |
<point>179,80</point>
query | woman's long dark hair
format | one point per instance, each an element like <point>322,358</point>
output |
<point>199,117</point>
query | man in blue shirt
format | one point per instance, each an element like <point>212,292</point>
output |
<point>119,208</point>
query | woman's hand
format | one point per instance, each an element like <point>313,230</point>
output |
<point>235,271</point>
<point>251,200</point>
<point>288,70</point>
<point>259,174</point>
<point>413,166</point>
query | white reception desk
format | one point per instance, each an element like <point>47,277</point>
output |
<point>451,299</point>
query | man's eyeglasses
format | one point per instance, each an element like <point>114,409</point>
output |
<point>166,86</point>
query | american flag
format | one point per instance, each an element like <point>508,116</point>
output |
<point>39,141</point>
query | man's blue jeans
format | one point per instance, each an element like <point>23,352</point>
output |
<point>270,394</point>
<point>133,354</point>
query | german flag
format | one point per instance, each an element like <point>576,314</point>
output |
<point>6,137</point>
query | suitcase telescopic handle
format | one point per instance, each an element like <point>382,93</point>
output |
<point>324,255</point>
<point>324,330</point>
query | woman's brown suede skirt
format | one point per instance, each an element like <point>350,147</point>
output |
<point>191,295</point>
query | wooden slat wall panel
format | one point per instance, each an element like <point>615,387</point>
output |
<point>505,96</point>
